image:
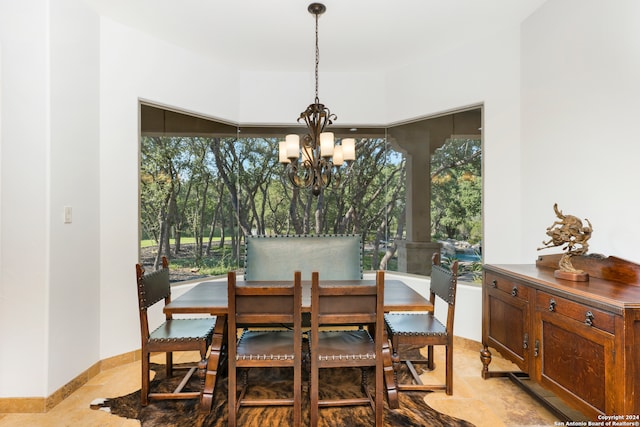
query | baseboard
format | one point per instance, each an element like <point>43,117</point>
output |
<point>44,404</point>
<point>466,343</point>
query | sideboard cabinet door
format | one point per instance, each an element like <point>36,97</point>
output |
<point>507,319</point>
<point>577,357</point>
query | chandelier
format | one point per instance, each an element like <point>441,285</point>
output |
<point>315,160</point>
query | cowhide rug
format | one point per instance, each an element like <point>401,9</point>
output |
<point>413,410</point>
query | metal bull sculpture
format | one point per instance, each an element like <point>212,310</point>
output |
<point>570,232</point>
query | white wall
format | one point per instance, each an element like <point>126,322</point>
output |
<point>580,112</point>
<point>279,98</point>
<point>24,169</point>
<point>49,270</point>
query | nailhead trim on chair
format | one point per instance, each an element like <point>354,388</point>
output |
<point>409,334</point>
<point>349,357</point>
<point>176,339</point>
<point>266,357</point>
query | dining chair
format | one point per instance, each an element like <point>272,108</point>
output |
<point>424,329</point>
<point>338,340</point>
<point>173,335</point>
<point>277,347</point>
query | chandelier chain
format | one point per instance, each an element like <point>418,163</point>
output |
<point>317,59</point>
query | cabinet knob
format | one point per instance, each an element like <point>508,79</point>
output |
<point>514,291</point>
<point>494,283</point>
<point>525,342</point>
<point>536,349</point>
<point>589,318</point>
<point>552,305</point>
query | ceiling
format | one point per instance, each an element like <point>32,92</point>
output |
<point>355,35</point>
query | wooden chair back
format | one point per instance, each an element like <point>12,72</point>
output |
<point>424,329</point>
<point>273,304</point>
<point>336,310</point>
<point>334,303</point>
<point>170,336</point>
<point>267,306</point>
<point>444,284</point>
<point>152,288</point>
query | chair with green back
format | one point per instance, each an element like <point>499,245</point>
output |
<point>334,257</point>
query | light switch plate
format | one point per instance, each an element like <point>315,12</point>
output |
<point>67,215</point>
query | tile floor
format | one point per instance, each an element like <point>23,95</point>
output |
<point>486,403</point>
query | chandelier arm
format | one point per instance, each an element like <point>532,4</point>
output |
<point>292,173</point>
<point>309,174</point>
<point>337,178</point>
<point>325,172</point>
<point>301,175</point>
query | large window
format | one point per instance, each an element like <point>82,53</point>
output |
<point>204,185</point>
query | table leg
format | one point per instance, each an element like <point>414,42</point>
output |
<point>213,364</point>
<point>388,372</point>
<point>389,376</point>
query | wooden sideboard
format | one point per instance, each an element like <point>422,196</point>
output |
<point>577,344</point>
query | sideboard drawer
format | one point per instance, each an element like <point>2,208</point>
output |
<point>503,284</point>
<point>582,313</point>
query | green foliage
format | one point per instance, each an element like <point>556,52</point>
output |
<point>470,272</point>
<point>456,191</point>
<point>199,196</point>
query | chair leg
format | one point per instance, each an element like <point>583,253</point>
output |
<point>232,396</point>
<point>169,364</point>
<point>364,384</point>
<point>297,394</point>
<point>144,390</point>
<point>313,395</point>
<point>449,370</point>
<point>431,363</point>
<point>379,398</point>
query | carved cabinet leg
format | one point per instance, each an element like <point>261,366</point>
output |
<point>485,358</point>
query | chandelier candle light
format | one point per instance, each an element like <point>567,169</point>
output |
<point>316,160</point>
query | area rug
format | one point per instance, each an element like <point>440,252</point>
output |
<point>413,411</point>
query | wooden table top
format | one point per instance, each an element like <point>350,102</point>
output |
<point>211,297</point>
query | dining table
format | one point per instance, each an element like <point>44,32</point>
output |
<point>210,297</point>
